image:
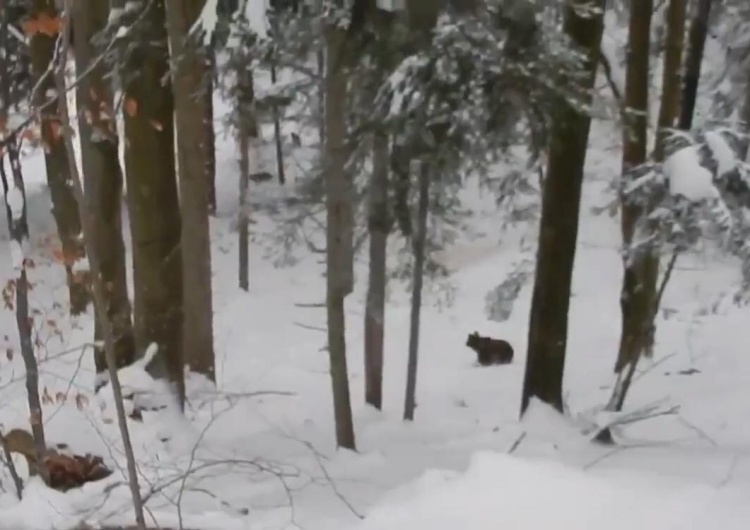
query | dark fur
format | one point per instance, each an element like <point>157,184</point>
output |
<point>490,351</point>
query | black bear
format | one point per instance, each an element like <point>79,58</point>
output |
<point>490,351</point>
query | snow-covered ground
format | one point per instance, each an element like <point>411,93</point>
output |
<point>259,453</point>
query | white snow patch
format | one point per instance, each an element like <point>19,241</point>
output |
<point>207,21</point>
<point>687,177</point>
<point>502,491</point>
<point>255,13</point>
<point>41,509</point>
<point>81,265</point>
<point>15,201</point>
<point>722,152</point>
<point>17,255</point>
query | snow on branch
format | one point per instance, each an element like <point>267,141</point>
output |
<point>207,21</point>
<point>702,191</point>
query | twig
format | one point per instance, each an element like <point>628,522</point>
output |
<point>12,468</point>
<point>310,305</point>
<point>335,489</point>
<point>607,67</point>
<point>517,443</point>
<point>307,326</point>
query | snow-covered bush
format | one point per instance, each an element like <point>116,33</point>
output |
<point>700,192</point>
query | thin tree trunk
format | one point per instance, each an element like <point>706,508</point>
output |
<point>636,296</point>
<point>190,76</point>
<point>320,60</point>
<point>56,159</point>
<point>639,292</point>
<point>247,138</point>
<point>153,205</point>
<point>15,204</point>
<point>277,135</point>
<point>693,62</point>
<point>669,110</point>
<point>410,401</point>
<point>379,227</point>
<point>102,176</point>
<point>87,224</point>
<point>669,114</point>
<point>210,133</point>
<point>558,231</point>
<point>339,276</point>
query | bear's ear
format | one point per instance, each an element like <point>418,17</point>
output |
<point>475,334</point>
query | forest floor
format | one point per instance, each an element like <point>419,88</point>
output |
<point>259,452</point>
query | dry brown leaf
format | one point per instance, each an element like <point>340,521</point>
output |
<point>131,107</point>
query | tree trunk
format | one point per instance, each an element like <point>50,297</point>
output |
<point>339,276</point>
<point>636,298</point>
<point>379,227</point>
<point>558,231</point>
<point>210,133</point>
<point>247,139</point>
<point>97,284</point>
<point>640,297</point>
<point>15,205</point>
<point>56,159</point>
<point>410,401</point>
<point>155,222</point>
<point>277,135</point>
<point>693,62</point>
<point>190,76</point>
<point>103,185</point>
<point>669,109</point>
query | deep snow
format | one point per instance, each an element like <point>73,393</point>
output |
<point>260,450</point>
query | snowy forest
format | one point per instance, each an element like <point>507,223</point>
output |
<point>375,264</point>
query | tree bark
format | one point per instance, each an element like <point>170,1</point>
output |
<point>102,177</point>
<point>190,81</point>
<point>18,227</point>
<point>636,298</point>
<point>558,231</point>
<point>410,401</point>
<point>155,222</point>
<point>669,110</point>
<point>693,62</point>
<point>339,274</point>
<point>247,139</point>
<point>210,133</point>
<point>379,227</point>
<point>55,157</point>
<point>97,284</point>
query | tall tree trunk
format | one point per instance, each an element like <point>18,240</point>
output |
<point>247,140</point>
<point>210,133</point>
<point>155,222</point>
<point>669,110</point>
<point>97,284</point>
<point>103,184</point>
<point>410,401</point>
<point>339,277</point>
<point>15,206</point>
<point>694,60</point>
<point>558,231</point>
<point>640,297</point>
<point>55,158</point>
<point>190,81</point>
<point>637,295</point>
<point>379,226</point>
<point>277,135</point>
<point>320,63</point>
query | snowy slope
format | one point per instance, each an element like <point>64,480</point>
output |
<point>259,452</point>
